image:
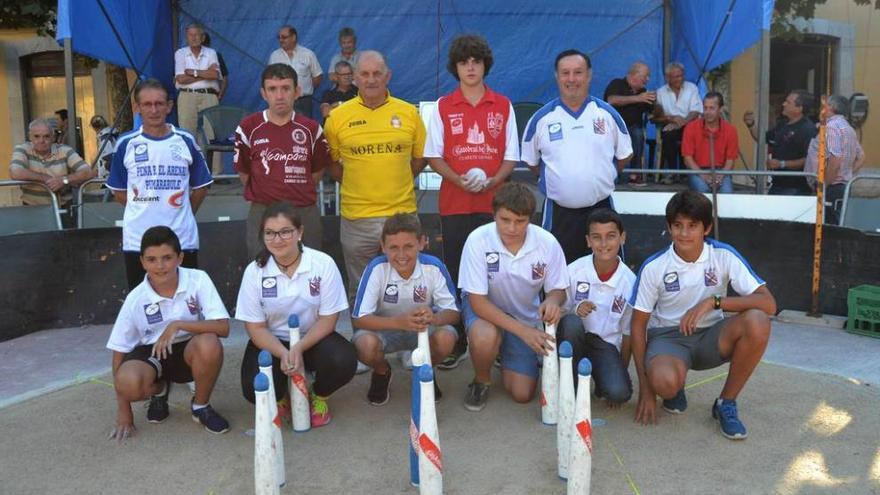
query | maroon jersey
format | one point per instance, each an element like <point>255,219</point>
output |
<point>280,160</point>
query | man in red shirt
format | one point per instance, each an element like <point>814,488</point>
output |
<point>710,142</point>
<point>472,143</point>
<point>280,155</point>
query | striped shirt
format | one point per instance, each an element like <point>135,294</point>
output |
<point>62,160</point>
<point>841,141</point>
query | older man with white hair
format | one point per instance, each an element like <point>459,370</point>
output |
<point>678,102</point>
<point>197,77</point>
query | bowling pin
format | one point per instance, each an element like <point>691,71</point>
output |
<point>299,387</point>
<point>550,382</point>
<point>580,461</point>
<point>566,408</point>
<point>418,360</point>
<point>430,457</point>
<point>265,361</point>
<point>265,448</point>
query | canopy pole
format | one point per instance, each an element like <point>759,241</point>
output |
<point>820,213</point>
<point>762,98</point>
<point>667,32</point>
<point>71,96</point>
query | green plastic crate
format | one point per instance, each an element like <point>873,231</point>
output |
<point>863,315</point>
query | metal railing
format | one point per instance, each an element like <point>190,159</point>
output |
<point>53,199</point>
<point>847,196</point>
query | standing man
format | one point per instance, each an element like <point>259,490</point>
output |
<point>197,77</point>
<point>280,155</point>
<point>788,142</point>
<point>678,102</point>
<point>159,175</point>
<point>577,144</point>
<point>632,100</point>
<point>303,61</point>
<point>471,128</point>
<point>843,154</point>
<point>377,143</point>
<point>348,52</point>
<point>343,91</point>
<point>699,139</point>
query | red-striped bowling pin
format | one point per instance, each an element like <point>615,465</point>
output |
<point>580,461</point>
<point>265,448</point>
<point>265,361</point>
<point>299,388</point>
<point>550,382</point>
<point>418,359</point>
<point>566,408</point>
<point>430,457</point>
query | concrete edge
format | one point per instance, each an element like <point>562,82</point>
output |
<point>801,318</point>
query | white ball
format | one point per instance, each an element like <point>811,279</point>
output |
<point>476,174</point>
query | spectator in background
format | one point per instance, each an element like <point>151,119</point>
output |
<point>224,70</point>
<point>678,102</point>
<point>197,77</point>
<point>710,142</point>
<point>348,51</point>
<point>303,61</point>
<point>106,144</point>
<point>632,100</point>
<point>343,91</point>
<point>61,128</point>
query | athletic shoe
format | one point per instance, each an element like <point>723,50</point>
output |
<point>378,394</point>
<point>477,396</point>
<point>453,360</point>
<point>361,368</point>
<point>498,361</point>
<point>677,404</point>
<point>320,413</point>
<point>157,411</point>
<point>437,393</point>
<point>210,419</point>
<point>725,412</point>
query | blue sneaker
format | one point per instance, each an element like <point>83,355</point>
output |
<point>212,421</point>
<point>725,412</point>
<point>677,404</point>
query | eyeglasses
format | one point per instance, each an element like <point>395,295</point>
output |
<point>285,235</point>
<point>344,74</point>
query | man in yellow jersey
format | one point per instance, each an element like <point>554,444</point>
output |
<point>376,142</point>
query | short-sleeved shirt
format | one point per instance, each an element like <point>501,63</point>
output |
<point>145,314</point>
<point>613,314</point>
<point>576,151</point>
<point>384,292</point>
<point>512,282</point>
<point>185,59</point>
<point>687,101</point>
<point>375,146</point>
<point>471,136</point>
<point>841,141</point>
<point>668,286</point>
<point>791,142</point>
<point>334,95</point>
<point>280,160</point>
<point>304,62</point>
<point>695,143</point>
<point>339,57</point>
<point>267,295</point>
<point>157,175</point>
<point>633,113</point>
<point>62,160</point>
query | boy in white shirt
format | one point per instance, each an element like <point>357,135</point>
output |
<point>678,322</point>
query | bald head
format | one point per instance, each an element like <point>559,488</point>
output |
<point>638,75</point>
<point>371,57</point>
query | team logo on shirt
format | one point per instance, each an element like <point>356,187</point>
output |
<point>391,294</point>
<point>581,291</point>
<point>618,304</point>
<point>153,313</point>
<point>270,287</point>
<point>420,294</point>
<point>494,122</point>
<point>395,121</point>
<point>175,152</point>
<point>493,261</point>
<point>538,270</point>
<point>670,280</point>
<point>599,126</point>
<point>140,153</point>
<point>475,135</point>
<point>298,136</point>
<point>555,130</point>
<point>176,199</point>
<point>315,286</point>
<point>192,304</point>
<point>710,278</point>
<point>456,125</point>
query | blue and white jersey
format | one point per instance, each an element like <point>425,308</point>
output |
<point>157,175</point>
<point>576,151</point>
<point>613,314</point>
<point>383,292</point>
<point>668,286</point>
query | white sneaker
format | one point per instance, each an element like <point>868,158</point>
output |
<point>361,368</point>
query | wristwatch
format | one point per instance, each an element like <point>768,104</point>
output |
<point>716,301</point>
<point>65,180</point>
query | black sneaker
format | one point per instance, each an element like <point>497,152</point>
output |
<point>378,394</point>
<point>677,404</point>
<point>477,396</point>
<point>210,419</point>
<point>437,393</point>
<point>453,359</point>
<point>157,411</point>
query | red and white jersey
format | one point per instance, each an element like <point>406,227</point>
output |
<point>280,160</point>
<point>466,137</point>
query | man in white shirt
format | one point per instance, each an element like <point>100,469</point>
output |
<point>304,62</point>
<point>347,52</point>
<point>678,102</point>
<point>197,78</point>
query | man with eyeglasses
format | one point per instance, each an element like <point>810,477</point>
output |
<point>342,92</point>
<point>303,61</point>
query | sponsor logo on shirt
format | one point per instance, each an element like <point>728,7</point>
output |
<point>582,291</point>
<point>420,294</point>
<point>141,152</point>
<point>493,261</point>
<point>145,199</point>
<point>710,278</point>
<point>355,123</point>
<point>153,313</point>
<point>599,126</point>
<point>270,287</point>
<point>390,294</point>
<point>555,130</point>
<point>261,141</point>
<point>315,286</point>
<point>299,136</point>
<point>538,270</point>
<point>494,122</point>
<point>456,125</point>
<point>475,136</point>
<point>176,199</point>
<point>670,280</point>
<point>192,304</point>
<point>618,304</point>
<point>376,149</point>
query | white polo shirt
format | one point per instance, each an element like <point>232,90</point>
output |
<point>383,292</point>
<point>185,59</point>
<point>576,151</point>
<point>304,62</point>
<point>157,175</point>
<point>668,286</point>
<point>512,281</point>
<point>269,296</point>
<point>145,314</point>
<point>687,101</point>
<point>613,314</point>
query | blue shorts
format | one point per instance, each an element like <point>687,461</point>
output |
<point>400,340</point>
<point>516,355</point>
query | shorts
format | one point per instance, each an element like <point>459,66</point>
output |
<point>401,340</point>
<point>699,351</point>
<point>173,367</point>
<point>516,355</point>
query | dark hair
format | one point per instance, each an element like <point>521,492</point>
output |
<point>290,30</point>
<point>605,215</point>
<point>803,99</point>
<point>469,46</point>
<point>277,209</point>
<point>278,71</point>
<point>150,83</point>
<point>689,204</point>
<point>343,63</point>
<point>569,53</point>
<point>61,113</point>
<point>98,121</point>
<point>516,197</point>
<point>346,32</point>
<point>160,235</point>
<point>718,97</point>
<point>402,222</point>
